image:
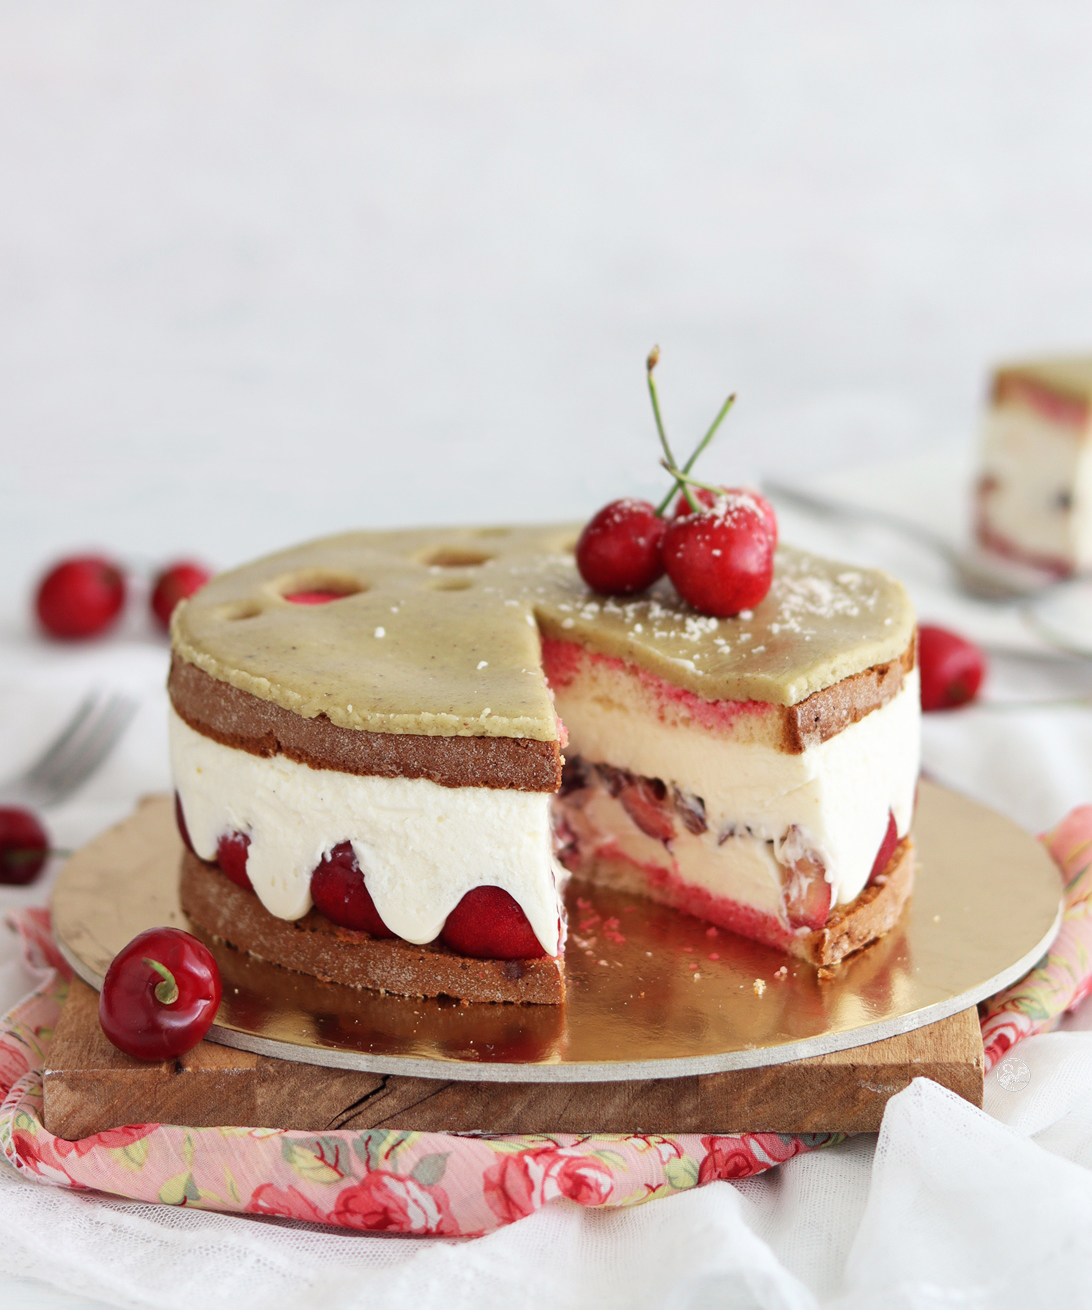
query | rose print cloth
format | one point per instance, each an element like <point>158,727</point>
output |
<point>386,1180</point>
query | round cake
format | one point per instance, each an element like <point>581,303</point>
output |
<point>391,749</point>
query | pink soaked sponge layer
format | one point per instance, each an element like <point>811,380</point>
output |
<point>565,661</point>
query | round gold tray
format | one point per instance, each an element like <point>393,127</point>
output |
<point>651,993</point>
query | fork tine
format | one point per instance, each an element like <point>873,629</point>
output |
<point>77,764</point>
<point>41,766</point>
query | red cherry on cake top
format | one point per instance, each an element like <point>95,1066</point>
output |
<point>160,995</point>
<point>176,582</point>
<point>707,496</point>
<point>488,924</point>
<point>952,668</point>
<point>80,597</point>
<point>618,553</point>
<point>338,890</point>
<point>721,561</point>
<point>24,846</point>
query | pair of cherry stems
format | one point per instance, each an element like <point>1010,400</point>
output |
<point>681,476</point>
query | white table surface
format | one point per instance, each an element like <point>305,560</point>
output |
<point>273,270</point>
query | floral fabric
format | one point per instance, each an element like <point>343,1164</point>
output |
<point>438,1183</point>
<point>1063,978</point>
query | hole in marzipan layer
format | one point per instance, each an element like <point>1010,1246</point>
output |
<point>456,557</point>
<point>450,584</point>
<point>239,609</point>
<point>318,588</point>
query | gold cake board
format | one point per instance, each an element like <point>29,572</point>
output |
<point>666,1027</point>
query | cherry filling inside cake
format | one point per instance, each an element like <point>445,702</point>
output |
<point>721,808</point>
<point>367,736</point>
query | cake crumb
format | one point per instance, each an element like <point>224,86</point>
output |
<point>758,986</point>
<point>782,972</point>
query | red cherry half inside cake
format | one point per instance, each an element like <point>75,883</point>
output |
<point>489,924</point>
<point>338,890</point>
<point>231,853</point>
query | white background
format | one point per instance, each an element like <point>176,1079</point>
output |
<point>268,271</point>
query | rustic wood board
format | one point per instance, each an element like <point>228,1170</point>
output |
<point>90,1086</point>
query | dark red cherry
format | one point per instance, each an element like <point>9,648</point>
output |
<point>488,924</point>
<point>231,855</point>
<point>338,890</point>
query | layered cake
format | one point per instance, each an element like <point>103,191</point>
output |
<point>443,725</point>
<point>1034,491</point>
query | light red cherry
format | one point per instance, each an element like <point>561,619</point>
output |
<point>488,924</point>
<point>952,668</point>
<point>24,846</point>
<point>175,583</point>
<point>160,995</point>
<point>231,855</point>
<point>618,553</point>
<point>887,849</point>
<point>316,597</point>
<point>338,890</point>
<point>721,561</point>
<point>807,893</point>
<point>707,497</point>
<point>80,597</point>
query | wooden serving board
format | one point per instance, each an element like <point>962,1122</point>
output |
<point>90,1086</point>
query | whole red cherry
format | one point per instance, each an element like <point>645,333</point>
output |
<point>721,560</point>
<point>160,995</point>
<point>176,582</point>
<point>80,597</point>
<point>618,553</point>
<point>489,924</point>
<point>232,851</point>
<point>338,890</point>
<point>952,668</point>
<point>24,847</point>
<point>704,496</point>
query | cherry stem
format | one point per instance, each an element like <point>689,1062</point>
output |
<point>683,479</point>
<point>24,854</point>
<point>650,364</point>
<point>680,482</point>
<point>166,992</point>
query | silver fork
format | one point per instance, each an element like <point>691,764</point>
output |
<point>75,753</point>
<point>973,571</point>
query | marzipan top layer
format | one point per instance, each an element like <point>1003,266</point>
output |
<point>437,630</point>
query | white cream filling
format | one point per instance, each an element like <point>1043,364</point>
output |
<point>836,794</point>
<point>1034,462</point>
<point>742,869</point>
<point>421,846</point>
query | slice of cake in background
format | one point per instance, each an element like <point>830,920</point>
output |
<point>386,710</point>
<point>1034,491</point>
